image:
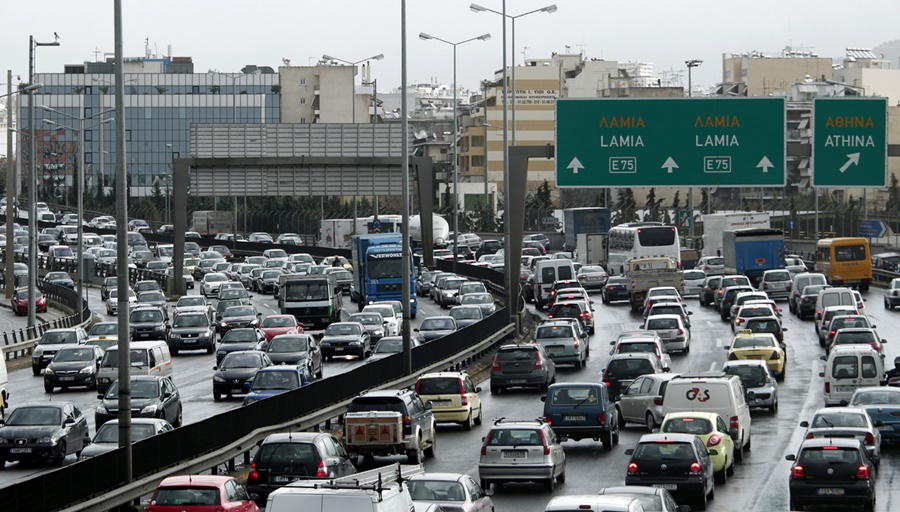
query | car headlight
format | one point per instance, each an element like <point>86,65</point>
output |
<point>378,333</point>
<point>48,371</point>
<point>224,324</point>
<point>101,409</point>
<point>46,440</point>
<point>87,369</point>
<point>150,409</point>
<point>217,378</point>
<point>4,441</point>
<point>254,322</point>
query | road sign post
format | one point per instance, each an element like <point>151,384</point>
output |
<point>726,142</point>
<point>849,142</point>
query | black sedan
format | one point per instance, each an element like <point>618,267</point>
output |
<point>59,278</point>
<point>246,338</point>
<point>345,338</point>
<point>50,431</point>
<point>265,282</point>
<point>222,305</point>
<point>238,316</point>
<point>151,397</point>
<point>235,293</point>
<point>296,350</point>
<point>73,365</point>
<point>614,289</point>
<point>235,372</point>
<point>373,322</point>
<point>436,327</point>
<point>839,466</point>
<point>192,331</point>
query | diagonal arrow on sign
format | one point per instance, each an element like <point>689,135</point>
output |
<point>575,165</point>
<point>765,164</point>
<point>852,159</point>
<point>669,165</point>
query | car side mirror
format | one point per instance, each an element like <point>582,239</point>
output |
<point>429,405</point>
<point>790,456</point>
<point>215,367</point>
<point>883,342</point>
<point>784,329</point>
<point>629,451</point>
<point>690,312</point>
<point>69,421</point>
<point>666,369</point>
<point>712,452</point>
<point>100,396</point>
<point>544,398</point>
<point>804,424</point>
<point>612,342</point>
<point>478,390</point>
<point>415,330</point>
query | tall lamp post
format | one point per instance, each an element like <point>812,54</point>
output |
<point>483,37</point>
<point>691,64</point>
<point>32,186</point>
<point>549,10</point>
<point>79,188</point>
<point>353,78</point>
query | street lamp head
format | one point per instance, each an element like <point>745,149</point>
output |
<point>477,8</point>
<point>328,57</point>
<point>693,63</point>
<point>380,56</point>
<point>485,37</point>
<point>32,87</point>
<point>423,36</point>
<point>549,9</point>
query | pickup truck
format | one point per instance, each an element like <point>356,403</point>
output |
<point>390,422</point>
<point>645,273</point>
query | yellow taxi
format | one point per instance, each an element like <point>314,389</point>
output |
<point>190,264</point>
<point>713,431</point>
<point>760,346</point>
<point>453,396</point>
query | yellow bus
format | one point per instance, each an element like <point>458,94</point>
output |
<point>845,261</point>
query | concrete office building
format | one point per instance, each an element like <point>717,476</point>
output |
<point>757,74</point>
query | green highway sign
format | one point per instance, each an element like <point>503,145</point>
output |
<point>727,142</point>
<point>849,142</point>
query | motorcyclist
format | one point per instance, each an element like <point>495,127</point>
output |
<point>893,376</point>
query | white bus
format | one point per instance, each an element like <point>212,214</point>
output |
<point>639,240</point>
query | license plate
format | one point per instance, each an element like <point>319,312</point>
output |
<point>575,418</point>
<point>830,491</point>
<point>845,389</point>
<point>20,450</point>
<point>886,427</point>
<point>668,487</point>
<point>189,341</point>
<point>514,454</point>
<point>66,379</point>
<point>556,350</point>
<point>338,349</point>
<point>440,403</point>
<point>517,381</point>
<point>280,479</point>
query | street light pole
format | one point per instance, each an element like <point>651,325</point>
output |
<point>32,187</point>
<point>691,64</point>
<point>483,37</point>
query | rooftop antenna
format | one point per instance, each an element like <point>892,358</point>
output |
<point>524,50</point>
<point>581,48</point>
<point>568,48</point>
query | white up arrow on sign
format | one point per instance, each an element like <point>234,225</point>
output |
<point>669,165</point>
<point>575,165</point>
<point>765,163</point>
<point>852,159</point>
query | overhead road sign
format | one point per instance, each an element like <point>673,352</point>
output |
<point>710,142</point>
<point>849,142</point>
<point>873,228</point>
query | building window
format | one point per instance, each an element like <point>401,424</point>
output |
<point>88,112</point>
<point>195,89</point>
<point>302,81</point>
<point>303,101</point>
<point>89,90</point>
<point>88,157</point>
<point>127,135</point>
<point>302,120</point>
<point>88,135</point>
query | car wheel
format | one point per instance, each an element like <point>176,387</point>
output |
<point>738,453</point>
<point>413,456</point>
<point>48,388</point>
<point>495,390</point>
<point>2,463</point>
<point>701,502</point>
<point>607,441</point>
<point>432,449</point>
<point>485,484</point>
<point>722,476</point>
<point>36,370</point>
<point>620,419</point>
<point>179,418</point>
<point>869,506</point>
<point>60,458</point>
<point>469,422</point>
<point>561,479</point>
<point>217,396</point>
<point>651,422</point>
<point>479,418</point>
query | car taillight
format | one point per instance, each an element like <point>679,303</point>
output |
<point>484,447</point>
<point>876,345</point>
<point>862,472</point>
<point>827,387</point>
<point>775,355</point>
<point>720,291</point>
<point>575,342</point>
<point>548,419</point>
<point>894,293</point>
<point>807,299</point>
<point>546,445</point>
<point>831,334</point>
<point>658,401</point>
<point>818,313</point>
<point>534,342</point>
<point>632,468</point>
<point>539,363</point>
<point>601,417</point>
<point>735,423</point>
<point>714,440</point>
<point>549,315</point>
<point>739,321</point>
<point>810,436</point>
<point>765,286</point>
<point>680,331</point>
<point>407,421</point>
<point>417,388</point>
<point>587,316</point>
<point>798,472</point>
<point>322,470</point>
<point>705,267</point>
<point>870,439</point>
<point>496,365</point>
<point>695,468</point>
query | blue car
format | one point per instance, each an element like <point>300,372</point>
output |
<point>883,406</point>
<point>275,380</point>
<point>582,410</point>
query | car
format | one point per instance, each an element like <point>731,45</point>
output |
<point>892,294</point>
<point>388,346</point>
<point>223,250</point>
<point>846,422</point>
<point>564,343</point>
<point>134,224</point>
<point>147,285</point>
<point>623,368</point>
<point>373,322</point>
<point>528,287</point>
<point>419,432</point>
<point>50,342</point>
<point>275,325</point>
<point>20,301</point>
<point>805,305</point>
<point>521,366</point>
<point>337,261</point>
<point>579,309</point>
<point>242,338</point>
<point>794,265</point>
<point>423,282</point>
<point>727,301</point>
<point>521,450</point>
<point>342,278</point>
<point>661,291</point>
<point>274,380</point>
<point>233,290</point>
<point>860,302</point>
<point>453,396</point>
<point>153,298</point>
<point>679,463</point>
<point>157,267</point>
<point>827,315</point>
<point>652,498</point>
<point>387,312</point>
<point>112,301</point>
<point>466,315</point>
<point>538,247</point>
<point>759,382</point>
<point>641,402</point>
<point>712,430</point>
<point>569,294</point>
<point>296,350</point>
<point>191,331</point>
<point>582,410</point>
<point>238,316</point>
<point>485,301</point>
<point>447,290</point>
<point>592,277</point>
<point>188,276</point>
<point>847,322</point>
<point>345,338</point>
<point>776,283</point>
<point>765,324</point>
<point>727,282</point>
<point>672,330</point>
<point>642,341</point>
<point>101,329</point>
<point>51,431</point>
<point>211,283</point>
<point>193,304</point>
<point>882,404</point>
<point>234,374</point>
<point>436,327</point>
<point>148,323</point>
<point>73,365</point>
<point>839,465</point>
<point>664,307</point>
<point>693,282</point>
<point>107,437</point>
<point>58,279</point>
<point>287,457</point>
<point>798,283</point>
<point>743,297</point>
<point>712,265</point>
<point>449,491</point>
<point>614,290</point>
<point>151,397</point>
<point>746,312</point>
<point>265,281</point>
<point>196,493</point>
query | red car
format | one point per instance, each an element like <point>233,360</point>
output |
<point>201,493</point>
<point>224,251</point>
<point>20,302</point>
<point>273,325</point>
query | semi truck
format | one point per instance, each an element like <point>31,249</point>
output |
<point>312,299</point>
<point>645,273</point>
<point>715,224</point>
<point>590,248</point>
<point>336,233</point>
<point>209,223</point>
<point>753,251</point>
<point>583,220</point>
<point>378,269</point>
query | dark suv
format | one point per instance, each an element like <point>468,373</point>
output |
<point>725,283</point>
<point>728,297</point>
<point>678,462</point>
<point>708,289</point>
<point>838,465</point>
<point>418,425</point>
<point>283,458</point>
<point>488,247</point>
<point>522,365</point>
<point>582,410</point>
<point>192,331</point>
<point>148,323</point>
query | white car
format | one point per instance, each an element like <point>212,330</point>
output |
<point>211,284</point>
<point>387,312</point>
<point>693,281</point>
<point>112,302</point>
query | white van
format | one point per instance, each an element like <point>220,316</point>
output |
<point>147,358</point>
<point>719,393</point>
<point>377,490</point>
<point>547,271</point>
<point>849,367</point>
<point>828,297</point>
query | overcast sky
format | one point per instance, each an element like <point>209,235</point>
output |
<point>228,34</point>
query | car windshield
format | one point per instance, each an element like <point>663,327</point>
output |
<point>345,329</point>
<point>752,341</point>
<point>755,312</point>
<point>57,276</point>
<point>241,361</point>
<point>390,347</point>
<point>366,319</point>
<point>140,389</point>
<point>696,426</point>
<point>34,416</point>
<point>554,331</point>
<point>661,323</point>
<point>146,316</point>
<point>663,451</point>
<point>316,290</point>
<point>436,490</point>
<point>23,294</point>
<point>751,376</point>
<point>215,278</point>
<point>574,396</point>
<point>694,275</point>
<point>58,337</point>
<point>102,328</point>
<point>466,313</point>
<point>876,398</point>
<point>629,368</point>
<point>636,347</point>
<point>477,298</point>
<point>240,311</point>
<point>843,419</point>
<point>271,274</point>
<point>515,437</point>
<point>68,355</point>
<point>185,320</point>
<point>436,324</point>
<point>190,301</point>
<point>854,337</point>
<point>239,336</point>
<point>109,432</point>
<point>152,297</point>
<point>275,380</point>
<point>782,275</point>
<point>770,326</point>
<point>278,321</point>
<point>515,355</point>
<point>185,496</point>
<point>284,344</point>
